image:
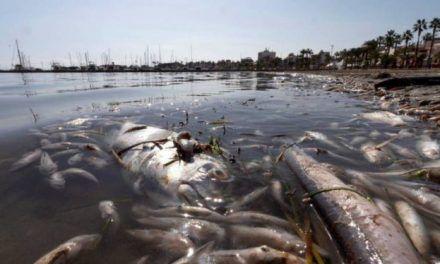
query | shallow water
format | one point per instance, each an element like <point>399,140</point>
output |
<point>253,114</point>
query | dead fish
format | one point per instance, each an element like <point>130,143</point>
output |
<point>426,200</point>
<point>70,249</point>
<point>58,179</point>
<point>384,117</point>
<point>170,242</point>
<point>96,162</point>
<point>428,148</point>
<point>402,151</point>
<point>357,140</point>
<point>110,215</point>
<point>198,253</point>
<point>39,134</point>
<point>179,211</point>
<point>365,233</point>
<point>44,142</point>
<point>245,236</point>
<point>26,159</point>
<point>47,166</point>
<point>57,146</point>
<point>65,152</point>
<point>318,136</point>
<point>197,230</point>
<point>384,206</point>
<point>277,192</point>
<point>256,255</point>
<point>414,226</point>
<point>246,199</point>
<point>319,151</point>
<point>379,156</point>
<point>75,159</point>
<point>256,218</point>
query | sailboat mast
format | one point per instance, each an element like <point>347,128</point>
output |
<point>20,59</point>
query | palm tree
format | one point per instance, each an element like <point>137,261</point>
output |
<point>389,40</point>
<point>369,47</point>
<point>406,36</point>
<point>418,27</point>
<point>434,24</point>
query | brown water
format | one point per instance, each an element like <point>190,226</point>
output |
<point>263,112</point>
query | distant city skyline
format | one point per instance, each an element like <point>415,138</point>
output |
<point>50,30</point>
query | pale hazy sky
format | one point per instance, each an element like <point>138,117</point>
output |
<point>51,29</point>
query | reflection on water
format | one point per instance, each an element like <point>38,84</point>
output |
<point>252,114</point>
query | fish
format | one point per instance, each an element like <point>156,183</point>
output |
<point>428,148</point>
<point>96,162</point>
<point>179,211</point>
<point>58,179</point>
<point>379,156</point>
<point>152,155</point>
<point>249,236</point>
<point>435,237</point>
<point>26,160</point>
<point>384,117</point>
<point>243,201</point>
<point>47,166</point>
<point>313,135</point>
<point>403,152</point>
<point>364,232</point>
<point>257,255</point>
<point>200,231</point>
<point>256,218</point>
<point>65,152</point>
<point>172,243</point>
<point>70,249</point>
<point>384,206</point>
<point>414,226</point>
<point>75,159</point>
<point>110,215</point>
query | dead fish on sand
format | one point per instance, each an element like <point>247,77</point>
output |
<point>384,117</point>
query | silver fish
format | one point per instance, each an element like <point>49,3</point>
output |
<point>243,201</point>
<point>257,255</point>
<point>58,179</point>
<point>196,229</point>
<point>75,159</point>
<point>26,160</point>
<point>414,226</point>
<point>384,117</point>
<point>428,148</point>
<point>171,242</point>
<point>70,249</point>
<point>246,236</point>
<point>366,234</point>
<point>65,152</point>
<point>256,218</point>
<point>380,156</point>
<point>47,166</point>
<point>110,215</point>
<point>179,211</point>
<point>313,135</point>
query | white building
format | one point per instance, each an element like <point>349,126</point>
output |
<point>266,55</point>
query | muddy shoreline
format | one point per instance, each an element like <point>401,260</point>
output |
<point>421,102</point>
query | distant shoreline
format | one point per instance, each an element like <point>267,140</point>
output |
<point>321,71</point>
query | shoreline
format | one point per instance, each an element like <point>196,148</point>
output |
<point>420,102</point>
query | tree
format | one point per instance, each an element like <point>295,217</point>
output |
<point>434,24</point>
<point>418,27</point>
<point>406,36</point>
<point>389,40</point>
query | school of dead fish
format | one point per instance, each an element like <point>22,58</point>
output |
<point>190,228</point>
